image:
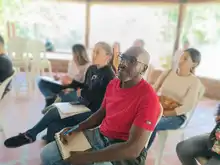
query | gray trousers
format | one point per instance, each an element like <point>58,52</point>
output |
<point>195,147</point>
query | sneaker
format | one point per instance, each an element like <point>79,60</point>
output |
<point>19,140</point>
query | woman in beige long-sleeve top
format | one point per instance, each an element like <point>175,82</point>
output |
<point>181,86</point>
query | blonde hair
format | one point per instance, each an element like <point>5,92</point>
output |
<point>106,47</point>
<point>80,52</point>
<point>109,51</point>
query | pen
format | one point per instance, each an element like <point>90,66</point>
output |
<point>71,130</point>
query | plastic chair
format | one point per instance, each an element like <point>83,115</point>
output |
<point>159,117</point>
<point>3,86</point>
<point>36,50</point>
<point>16,50</point>
<point>163,135</point>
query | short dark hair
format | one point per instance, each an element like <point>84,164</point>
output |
<point>2,40</point>
<point>195,56</point>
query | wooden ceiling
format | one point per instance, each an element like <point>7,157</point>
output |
<point>146,1</point>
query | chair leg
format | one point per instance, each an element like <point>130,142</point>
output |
<point>17,84</point>
<point>162,136</point>
<point>50,70</point>
<point>35,71</point>
<point>182,136</point>
<point>28,78</point>
<point>42,71</point>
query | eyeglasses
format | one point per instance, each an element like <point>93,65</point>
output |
<point>123,58</point>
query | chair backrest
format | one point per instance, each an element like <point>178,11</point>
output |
<point>190,114</point>
<point>5,83</point>
<point>16,47</point>
<point>159,117</point>
<point>36,49</point>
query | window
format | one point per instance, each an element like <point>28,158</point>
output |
<point>63,24</point>
<point>156,25</point>
<point>202,31</point>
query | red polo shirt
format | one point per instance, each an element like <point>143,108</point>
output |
<point>125,107</point>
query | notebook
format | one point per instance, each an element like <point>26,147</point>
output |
<point>67,109</point>
<point>78,143</point>
<point>52,80</point>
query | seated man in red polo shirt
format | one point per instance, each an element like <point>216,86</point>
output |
<point>128,115</point>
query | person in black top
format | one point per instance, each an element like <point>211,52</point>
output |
<point>6,67</point>
<point>205,145</point>
<point>90,94</point>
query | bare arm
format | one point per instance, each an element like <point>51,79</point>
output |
<point>130,149</point>
<point>159,82</point>
<point>140,132</point>
<point>93,121</point>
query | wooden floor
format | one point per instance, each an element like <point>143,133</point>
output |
<point>18,113</point>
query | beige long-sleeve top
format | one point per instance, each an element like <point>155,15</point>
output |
<point>186,90</point>
<point>77,73</point>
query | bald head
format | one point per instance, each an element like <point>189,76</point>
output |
<point>133,63</point>
<point>140,53</point>
<point>139,43</point>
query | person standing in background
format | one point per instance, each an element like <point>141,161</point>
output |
<point>139,43</point>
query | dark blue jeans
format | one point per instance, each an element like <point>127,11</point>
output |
<point>51,90</point>
<point>48,89</point>
<point>50,154</point>
<point>53,121</point>
<point>166,123</point>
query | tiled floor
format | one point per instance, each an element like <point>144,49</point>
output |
<point>17,113</point>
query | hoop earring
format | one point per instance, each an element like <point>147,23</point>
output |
<point>192,70</point>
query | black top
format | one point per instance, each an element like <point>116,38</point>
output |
<point>94,86</point>
<point>6,67</point>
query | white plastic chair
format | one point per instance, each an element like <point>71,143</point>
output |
<point>36,50</point>
<point>163,135</point>
<point>17,50</point>
<point>161,114</point>
<point>3,86</point>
